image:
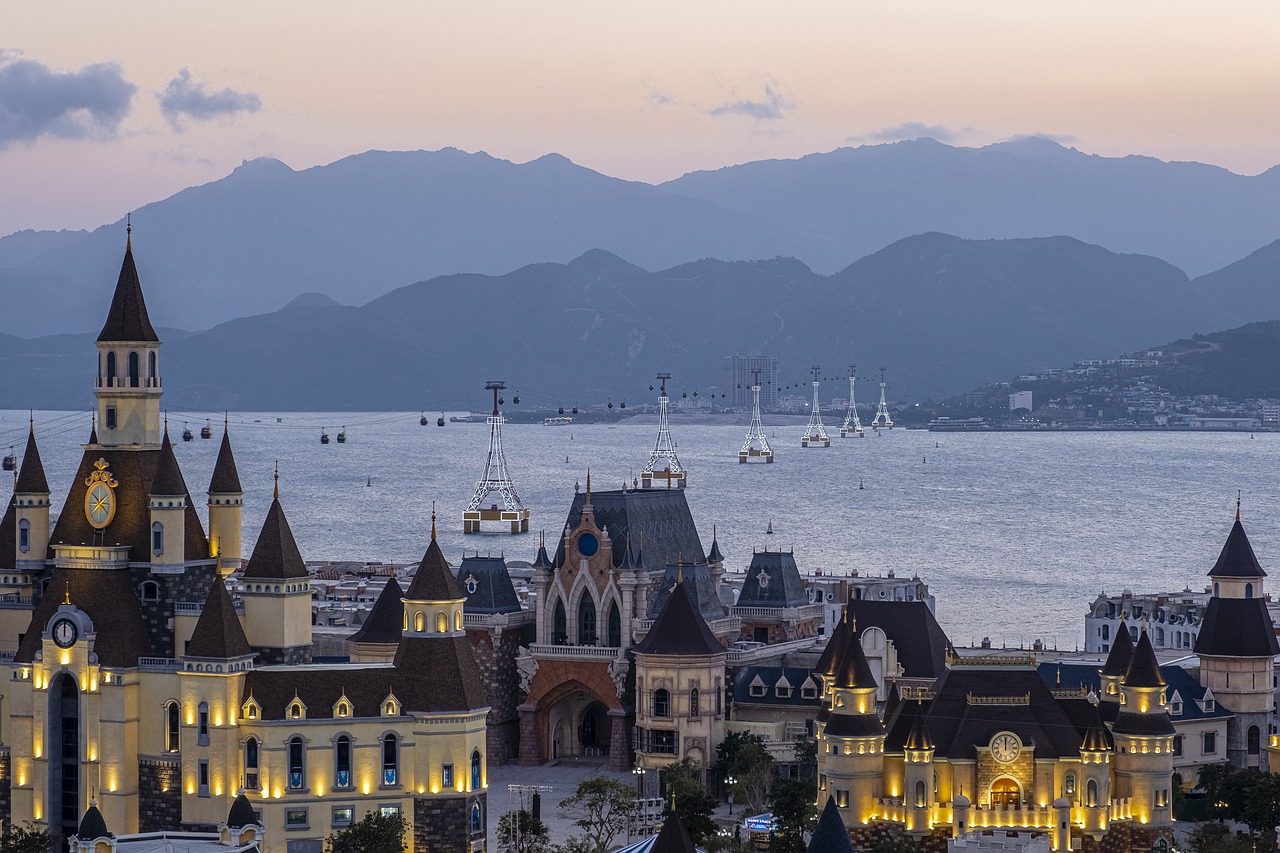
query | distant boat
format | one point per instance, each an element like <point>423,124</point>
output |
<point>770,530</point>
<point>324,436</point>
<point>342,436</point>
<point>186,433</point>
<point>557,421</point>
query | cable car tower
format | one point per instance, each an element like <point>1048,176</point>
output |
<point>815,434</point>
<point>663,462</point>
<point>756,446</point>
<point>882,419</point>
<point>495,479</point>
<point>851,425</point>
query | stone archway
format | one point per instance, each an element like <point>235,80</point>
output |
<point>570,703</point>
<point>1006,793</point>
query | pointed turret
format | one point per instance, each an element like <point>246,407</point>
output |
<point>31,479</point>
<point>1115,667</point>
<point>1096,737</point>
<point>434,581</point>
<point>128,386</point>
<point>168,477</point>
<point>226,508</point>
<point>168,505</point>
<point>127,319</point>
<point>275,554</point>
<point>92,825</point>
<point>830,835</point>
<point>542,562</point>
<point>28,513</point>
<point>1143,735</point>
<point>673,838</point>
<point>714,556</point>
<point>218,633</point>
<point>276,591</point>
<point>241,814</point>
<point>854,672</point>
<point>679,629</point>
<point>93,429</point>
<point>918,735</point>
<point>1237,559</point>
<point>226,479</point>
<point>379,636</point>
<point>1144,669</point>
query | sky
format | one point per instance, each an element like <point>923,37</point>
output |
<point>105,107</point>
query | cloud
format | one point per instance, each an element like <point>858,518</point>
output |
<point>774,105</point>
<point>910,130</point>
<point>191,98</point>
<point>36,100</point>
<point>1060,138</point>
<point>660,99</point>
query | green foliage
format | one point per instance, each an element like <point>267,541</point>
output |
<point>693,802</point>
<point>374,833</point>
<point>1218,838</point>
<point>792,804</point>
<point>520,832</point>
<point>807,757</point>
<point>754,769</point>
<point>729,844</point>
<point>28,838</point>
<point>575,844</point>
<point>601,808</point>
<point>893,845</point>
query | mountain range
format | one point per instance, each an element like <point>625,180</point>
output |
<point>360,227</point>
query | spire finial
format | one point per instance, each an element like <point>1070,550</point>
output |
<point>31,419</point>
<point>588,484</point>
<point>166,421</point>
<point>433,521</point>
<point>713,532</point>
<point>226,422</point>
<point>66,596</point>
<point>680,571</point>
<point>1237,505</point>
<point>128,232</point>
<point>276,494</point>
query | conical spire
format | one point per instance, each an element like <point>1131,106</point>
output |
<point>918,735</point>
<point>1121,653</point>
<point>829,661</point>
<point>386,620</point>
<point>679,629</point>
<point>275,554</point>
<point>1237,559</point>
<point>92,825</point>
<point>1144,669</point>
<point>673,838</point>
<point>127,319</point>
<point>830,835</point>
<point>31,479</point>
<point>1096,738</point>
<point>218,633</point>
<point>715,556</point>
<point>226,479</point>
<point>854,670</point>
<point>93,428</point>
<point>241,814</point>
<point>542,561</point>
<point>434,581</point>
<point>168,477</point>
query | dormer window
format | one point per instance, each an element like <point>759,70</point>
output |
<point>471,584</point>
<point>1175,708</point>
<point>250,709</point>
<point>342,709</point>
<point>1210,706</point>
<point>297,710</point>
<point>391,707</point>
<point>783,691</point>
<point>808,691</point>
<point>757,688</point>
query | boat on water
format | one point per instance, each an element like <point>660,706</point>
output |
<point>557,421</point>
<point>422,421</point>
<point>959,425</point>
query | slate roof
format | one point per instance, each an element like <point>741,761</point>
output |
<point>1121,654</point>
<point>168,477</point>
<point>127,318</point>
<point>771,676</point>
<point>698,580</point>
<point>673,837</point>
<point>1237,559</point>
<point>830,835</point>
<point>433,581</point>
<point>854,670</point>
<point>679,629</point>
<point>921,643</point>
<point>829,660</point>
<point>658,521</point>
<point>134,470</point>
<point>241,814</point>
<point>386,621</point>
<point>92,825</point>
<point>31,479</point>
<point>1144,669</point>
<point>1085,677</point>
<point>275,554</point>
<point>1096,736</point>
<point>225,479</point>
<point>1237,627</point>
<point>494,592</point>
<point>841,724</point>
<point>111,601</point>
<point>9,535</point>
<point>218,633</point>
<point>714,555</point>
<point>773,580</point>
<point>918,730</point>
<point>444,667</point>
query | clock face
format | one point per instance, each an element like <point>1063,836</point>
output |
<point>100,505</point>
<point>588,544</point>
<point>65,633</point>
<point>1005,747</point>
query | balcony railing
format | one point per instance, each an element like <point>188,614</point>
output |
<point>543,650</point>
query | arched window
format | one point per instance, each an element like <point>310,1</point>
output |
<point>251,763</point>
<point>151,369</point>
<point>1091,793</point>
<point>477,823</point>
<point>202,718</point>
<point>297,767</point>
<point>922,795</point>
<point>442,623</point>
<point>390,760</point>
<point>172,720</point>
<point>133,370</point>
<point>1248,590</point>
<point>24,535</point>
<point>342,762</point>
<point>662,703</point>
<point>1106,632</point>
<point>1005,794</point>
<point>111,369</point>
<point>560,625</point>
<point>419,622</point>
<point>615,626</point>
<point>475,770</point>
<point>157,538</point>
<point>693,702</point>
<point>150,591</point>
<point>457,620</point>
<point>1255,740</point>
<point>1069,785</point>
<point>586,620</point>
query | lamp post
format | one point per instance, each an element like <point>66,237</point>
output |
<point>730,781</point>
<point>639,774</point>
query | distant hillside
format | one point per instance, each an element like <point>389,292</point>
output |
<point>1239,364</point>
<point>364,225</point>
<point>1249,289</point>
<point>943,314</point>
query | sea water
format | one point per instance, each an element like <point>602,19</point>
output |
<point>1015,533</point>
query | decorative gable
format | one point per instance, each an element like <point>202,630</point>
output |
<point>251,710</point>
<point>391,706</point>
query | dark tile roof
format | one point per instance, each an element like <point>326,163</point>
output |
<point>840,724</point>
<point>830,835</point>
<point>242,813</point>
<point>1121,654</point>
<point>134,471</point>
<point>1144,669</point>
<point>31,479</point>
<point>127,318</point>
<point>494,592</point>
<point>445,667</point>
<point>275,554</point>
<point>918,730</point>
<point>386,620</point>
<point>1133,723</point>
<point>1075,676</point>
<point>225,479</point>
<point>673,838</point>
<point>1096,736</point>
<point>714,555</point>
<point>433,581</point>
<point>657,520</point>
<point>771,676</point>
<point>218,633</point>
<point>168,477</point>
<point>1237,559</point>
<point>855,670</point>
<point>111,601</point>
<point>1237,627</point>
<point>92,825</point>
<point>829,660</point>
<point>9,535</point>
<point>921,643</point>
<point>679,629</point>
<point>542,561</point>
<point>697,579</point>
<point>773,580</point>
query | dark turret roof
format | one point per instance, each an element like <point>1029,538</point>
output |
<point>1237,627</point>
<point>698,580</point>
<point>218,633</point>
<point>1144,669</point>
<point>658,519</point>
<point>9,534</point>
<point>241,814</point>
<point>679,629</point>
<point>673,838</point>
<point>275,554</point>
<point>830,835</point>
<point>127,319</point>
<point>918,733</point>
<point>829,660</point>
<point>433,581</point>
<point>93,431</point>
<point>92,825</point>
<point>921,643</point>
<point>225,480</point>
<point>542,561</point>
<point>493,590</point>
<point>714,555</point>
<point>773,580</point>
<point>386,620</point>
<point>1237,559</point>
<point>168,479</point>
<point>855,671</point>
<point>31,479</point>
<point>1121,653</point>
<point>1096,737</point>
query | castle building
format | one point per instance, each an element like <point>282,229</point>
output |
<point>134,679</point>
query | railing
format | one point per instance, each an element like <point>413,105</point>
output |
<point>1024,699</point>
<point>805,610</point>
<point>543,650</point>
<point>14,601</point>
<point>158,664</point>
<point>8,656</point>
<point>497,620</point>
<point>769,651</point>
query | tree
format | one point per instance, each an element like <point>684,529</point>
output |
<point>1217,781</point>
<point>1218,838</point>
<point>375,833</point>
<point>754,769</point>
<point>575,844</point>
<point>693,802</point>
<point>28,838</point>
<point>603,808</point>
<point>520,832</point>
<point>807,757</point>
<point>794,812</point>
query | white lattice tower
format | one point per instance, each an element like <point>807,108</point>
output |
<point>852,425</point>
<point>882,419</point>
<point>756,446</point>
<point>815,434</point>
<point>663,464</point>
<point>496,478</point>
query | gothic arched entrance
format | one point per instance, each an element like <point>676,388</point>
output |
<point>1005,794</point>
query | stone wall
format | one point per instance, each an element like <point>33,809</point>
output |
<point>443,824</point>
<point>291,656</point>
<point>6,786</point>
<point>496,659</point>
<point>191,585</point>
<point>159,795</point>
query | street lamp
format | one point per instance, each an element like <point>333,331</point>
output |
<point>730,781</point>
<point>639,774</point>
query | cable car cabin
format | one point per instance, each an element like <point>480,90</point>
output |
<point>440,420</point>
<point>186,433</point>
<point>11,461</point>
<point>422,421</point>
<point>324,437</point>
<point>342,436</point>
<point>206,431</point>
